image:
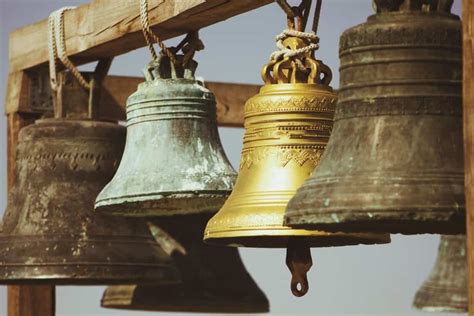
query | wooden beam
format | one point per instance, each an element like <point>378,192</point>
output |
<point>468,104</point>
<point>106,28</point>
<point>25,300</point>
<point>230,98</point>
<point>27,92</point>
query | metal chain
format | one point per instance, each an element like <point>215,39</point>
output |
<point>302,10</point>
<point>150,35</point>
<point>57,45</point>
<point>286,8</point>
<point>317,15</point>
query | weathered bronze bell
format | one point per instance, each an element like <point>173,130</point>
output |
<point>287,126</point>
<point>50,232</point>
<point>214,278</point>
<point>173,162</point>
<point>445,290</point>
<point>394,162</point>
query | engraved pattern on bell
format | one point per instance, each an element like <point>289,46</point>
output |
<point>214,278</point>
<point>446,288</point>
<point>51,234</point>
<point>287,127</point>
<point>394,162</point>
<point>173,162</point>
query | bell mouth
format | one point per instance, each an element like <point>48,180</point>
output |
<point>163,204</point>
<point>73,260</point>
<point>183,299</point>
<point>441,300</point>
<point>82,274</point>
<point>395,226</point>
<point>277,237</point>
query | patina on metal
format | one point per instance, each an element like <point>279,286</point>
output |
<point>214,278</point>
<point>394,162</point>
<point>287,126</point>
<point>51,234</point>
<point>173,162</point>
<point>445,290</point>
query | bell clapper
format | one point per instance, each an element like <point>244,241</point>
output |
<point>299,261</point>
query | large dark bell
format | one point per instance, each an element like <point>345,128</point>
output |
<point>214,278</point>
<point>51,234</point>
<point>445,290</point>
<point>394,161</point>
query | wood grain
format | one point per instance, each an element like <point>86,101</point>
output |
<point>38,300</point>
<point>468,105</point>
<point>106,28</point>
<point>230,97</point>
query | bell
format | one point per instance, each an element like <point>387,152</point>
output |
<point>287,126</point>
<point>445,290</point>
<point>173,161</point>
<point>51,234</point>
<point>214,278</point>
<point>394,162</point>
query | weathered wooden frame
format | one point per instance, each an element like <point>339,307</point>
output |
<point>105,28</point>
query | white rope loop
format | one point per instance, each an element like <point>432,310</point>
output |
<point>283,52</point>
<point>57,49</point>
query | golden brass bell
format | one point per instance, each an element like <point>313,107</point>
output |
<point>394,162</point>
<point>445,290</point>
<point>173,162</point>
<point>287,126</point>
<point>214,278</point>
<point>51,234</point>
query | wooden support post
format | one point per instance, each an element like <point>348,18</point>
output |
<point>468,103</point>
<point>31,300</point>
<point>25,300</point>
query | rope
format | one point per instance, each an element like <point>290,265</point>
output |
<point>52,54</point>
<point>150,35</point>
<point>57,49</point>
<point>300,53</point>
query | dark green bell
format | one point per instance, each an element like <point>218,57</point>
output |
<point>173,161</point>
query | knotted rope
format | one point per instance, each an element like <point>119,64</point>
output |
<point>298,54</point>
<point>189,45</point>
<point>150,35</point>
<point>57,49</point>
